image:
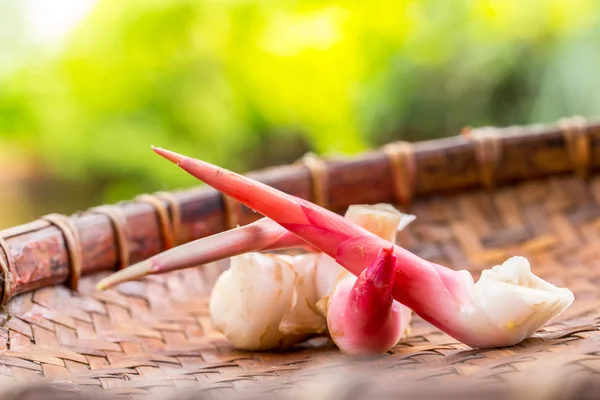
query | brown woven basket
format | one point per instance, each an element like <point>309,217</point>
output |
<point>479,198</point>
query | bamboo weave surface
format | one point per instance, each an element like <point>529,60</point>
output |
<point>154,335</point>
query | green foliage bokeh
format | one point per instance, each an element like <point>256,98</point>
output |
<point>247,84</point>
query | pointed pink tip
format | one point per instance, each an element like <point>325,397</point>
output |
<point>170,155</point>
<point>381,271</point>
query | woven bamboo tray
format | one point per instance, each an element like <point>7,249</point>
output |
<point>480,197</point>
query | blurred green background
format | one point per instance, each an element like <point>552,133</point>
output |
<point>86,86</point>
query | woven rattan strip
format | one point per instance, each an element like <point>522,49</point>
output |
<point>73,245</point>
<point>402,159</point>
<point>488,152</point>
<point>318,172</point>
<point>165,224</point>
<point>175,212</point>
<point>578,144</point>
<point>120,230</point>
<point>5,266</point>
<point>231,212</point>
